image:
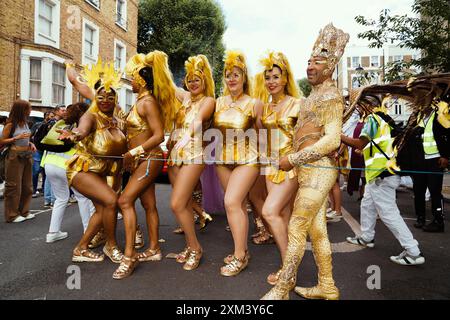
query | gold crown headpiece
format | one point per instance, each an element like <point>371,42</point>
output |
<point>199,66</point>
<point>330,45</point>
<point>109,77</point>
<point>234,59</point>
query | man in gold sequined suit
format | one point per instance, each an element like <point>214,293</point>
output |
<point>317,134</point>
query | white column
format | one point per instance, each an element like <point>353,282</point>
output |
<point>24,77</point>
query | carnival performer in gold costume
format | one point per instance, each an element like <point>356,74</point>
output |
<point>186,156</point>
<point>317,134</point>
<point>237,155</point>
<point>279,119</point>
<point>146,122</point>
<point>101,143</point>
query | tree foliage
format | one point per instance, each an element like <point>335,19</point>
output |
<point>183,28</point>
<point>428,32</point>
<point>304,86</point>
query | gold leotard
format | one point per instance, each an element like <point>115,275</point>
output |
<point>193,151</point>
<point>135,126</point>
<point>107,140</point>
<point>280,135</point>
<point>238,119</point>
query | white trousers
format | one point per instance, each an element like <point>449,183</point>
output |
<point>60,187</point>
<point>380,199</point>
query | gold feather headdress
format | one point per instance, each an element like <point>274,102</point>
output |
<point>199,66</point>
<point>105,73</point>
<point>163,84</point>
<point>236,59</point>
<point>280,60</point>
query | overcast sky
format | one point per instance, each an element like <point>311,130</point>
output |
<point>292,26</point>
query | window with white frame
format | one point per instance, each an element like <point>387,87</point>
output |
<point>35,79</point>
<point>121,13</point>
<point>356,81</point>
<point>356,62</point>
<point>120,55</point>
<point>129,100</point>
<point>94,3</point>
<point>90,42</point>
<point>375,61</point>
<point>58,83</point>
<point>47,22</point>
<point>398,58</point>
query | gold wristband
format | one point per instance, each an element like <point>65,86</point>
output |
<point>138,151</point>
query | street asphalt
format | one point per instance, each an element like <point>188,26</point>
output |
<point>34,270</point>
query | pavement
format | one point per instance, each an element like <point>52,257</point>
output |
<point>34,270</point>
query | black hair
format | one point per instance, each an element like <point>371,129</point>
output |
<point>275,65</point>
<point>147,74</point>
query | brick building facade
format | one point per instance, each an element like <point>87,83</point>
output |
<point>37,36</point>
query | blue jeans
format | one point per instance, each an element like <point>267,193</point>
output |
<point>37,169</point>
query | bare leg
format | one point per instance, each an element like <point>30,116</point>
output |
<point>105,200</point>
<point>148,201</point>
<point>239,184</point>
<point>337,201</point>
<point>276,208</point>
<point>185,181</point>
<point>127,200</point>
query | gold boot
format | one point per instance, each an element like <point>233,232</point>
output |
<point>298,227</point>
<point>321,249</point>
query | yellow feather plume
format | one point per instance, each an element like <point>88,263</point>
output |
<point>259,88</point>
<point>234,58</point>
<point>199,66</point>
<point>443,114</point>
<point>109,77</point>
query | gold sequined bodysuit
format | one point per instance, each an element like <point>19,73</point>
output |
<point>318,132</point>
<point>107,140</point>
<point>280,135</point>
<point>193,151</point>
<point>239,145</point>
<point>135,126</point>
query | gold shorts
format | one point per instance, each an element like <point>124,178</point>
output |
<point>81,162</point>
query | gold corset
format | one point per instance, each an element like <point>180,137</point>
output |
<point>107,140</point>
<point>185,116</point>
<point>241,150</point>
<point>135,124</point>
<point>280,127</point>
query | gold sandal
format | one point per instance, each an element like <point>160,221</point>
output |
<point>139,238</point>
<point>150,255</point>
<point>183,255</point>
<point>204,220</point>
<point>264,238</point>
<point>98,240</point>
<point>229,257</point>
<point>194,260</point>
<point>234,267</point>
<point>125,268</point>
<point>86,255</point>
<point>272,278</point>
<point>113,253</point>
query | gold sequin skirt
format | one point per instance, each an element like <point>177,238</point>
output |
<point>278,176</point>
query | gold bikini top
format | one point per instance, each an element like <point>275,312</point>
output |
<point>234,117</point>
<point>107,140</point>
<point>281,123</point>
<point>135,124</point>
